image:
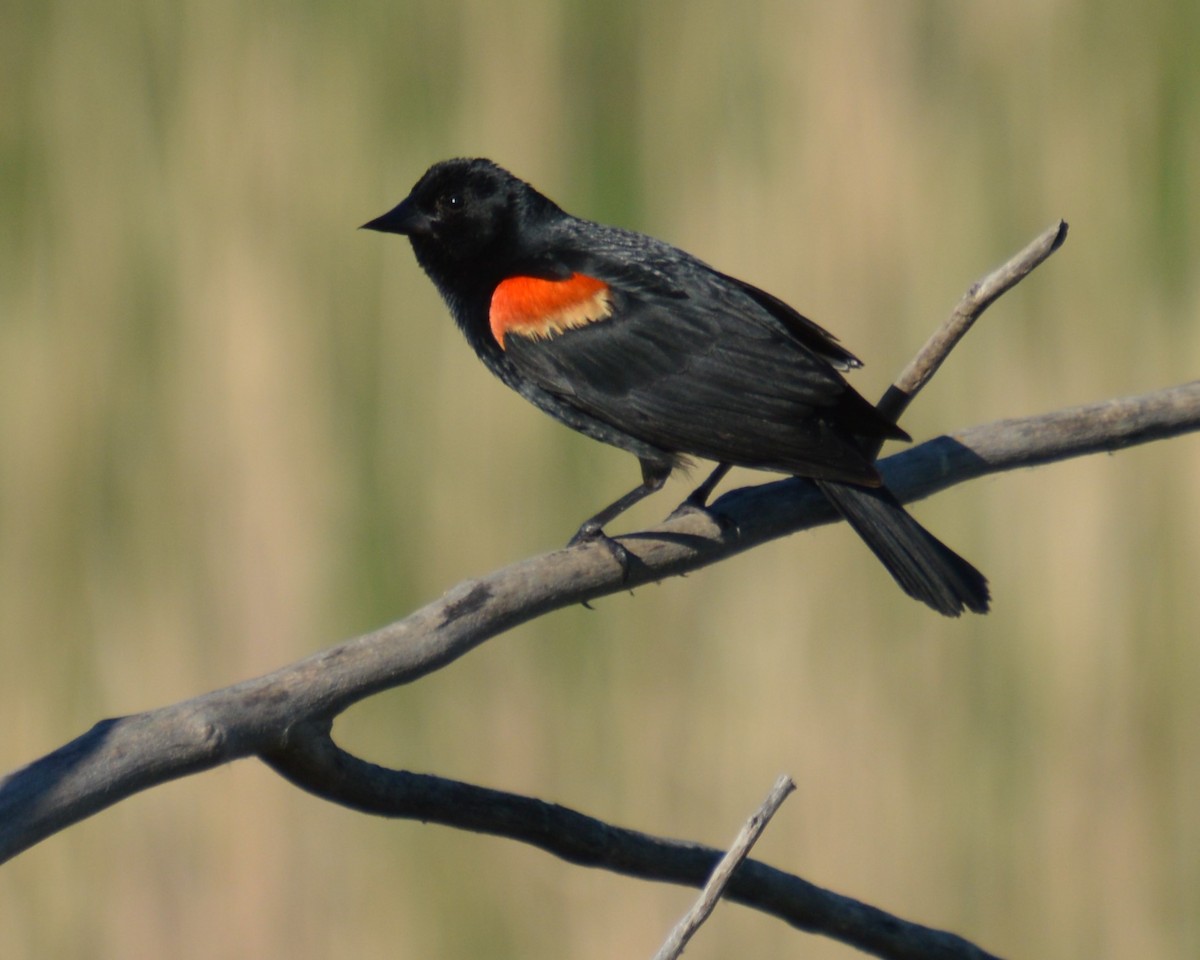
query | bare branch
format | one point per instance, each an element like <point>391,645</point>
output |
<point>678,939</point>
<point>312,761</point>
<point>117,758</point>
<point>982,295</point>
<point>285,717</point>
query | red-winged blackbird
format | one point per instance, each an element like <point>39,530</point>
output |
<point>636,343</point>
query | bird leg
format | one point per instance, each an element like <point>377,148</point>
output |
<point>698,498</point>
<point>654,475</point>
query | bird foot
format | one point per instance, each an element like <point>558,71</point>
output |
<point>592,532</point>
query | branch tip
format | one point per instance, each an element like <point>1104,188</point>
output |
<point>686,928</point>
<point>979,296</point>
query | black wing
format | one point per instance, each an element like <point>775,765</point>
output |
<point>706,367</point>
<point>812,335</point>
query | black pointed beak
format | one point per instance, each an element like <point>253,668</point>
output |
<point>404,218</point>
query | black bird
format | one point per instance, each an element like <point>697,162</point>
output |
<point>634,342</point>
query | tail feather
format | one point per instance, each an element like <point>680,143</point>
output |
<point>925,568</point>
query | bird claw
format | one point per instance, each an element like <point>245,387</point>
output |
<point>590,531</point>
<point>593,533</point>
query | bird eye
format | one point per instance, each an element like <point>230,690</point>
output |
<point>452,201</point>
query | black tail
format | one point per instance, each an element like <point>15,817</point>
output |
<point>925,568</point>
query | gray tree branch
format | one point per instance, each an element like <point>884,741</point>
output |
<point>312,761</point>
<point>285,717</point>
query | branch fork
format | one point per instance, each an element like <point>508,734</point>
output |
<point>285,718</point>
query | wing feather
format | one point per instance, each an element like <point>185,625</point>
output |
<point>716,376</point>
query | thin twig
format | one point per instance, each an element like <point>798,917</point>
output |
<point>691,921</point>
<point>978,298</point>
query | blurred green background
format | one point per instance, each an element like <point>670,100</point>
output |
<point>233,430</point>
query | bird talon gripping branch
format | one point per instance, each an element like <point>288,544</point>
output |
<point>638,344</point>
<point>588,532</point>
<point>591,533</point>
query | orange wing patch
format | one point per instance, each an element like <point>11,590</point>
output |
<point>538,309</point>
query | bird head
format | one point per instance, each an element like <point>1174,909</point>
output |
<point>466,215</point>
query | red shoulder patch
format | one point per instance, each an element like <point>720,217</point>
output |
<point>536,308</point>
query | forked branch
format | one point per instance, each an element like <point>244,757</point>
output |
<point>982,295</point>
<point>718,880</point>
<point>285,717</point>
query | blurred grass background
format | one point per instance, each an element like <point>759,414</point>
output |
<point>234,430</point>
